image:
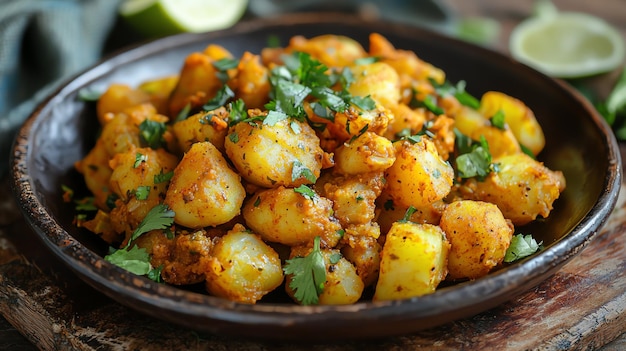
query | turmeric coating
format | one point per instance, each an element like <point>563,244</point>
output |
<point>370,161</point>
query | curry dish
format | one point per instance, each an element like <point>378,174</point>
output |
<point>320,168</point>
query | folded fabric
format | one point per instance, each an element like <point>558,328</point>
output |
<point>42,43</point>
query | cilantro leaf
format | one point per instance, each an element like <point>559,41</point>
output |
<point>473,158</point>
<point>151,133</point>
<point>220,99</point>
<point>429,102</point>
<point>142,192</point>
<point>305,191</point>
<point>308,275</point>
<point>86,204</point>
<point>365,103</point>
<point>159,217</point>
<point>135,260</point>
<point>163,177</point>
<point>238,112</point>
<point>521,246</point>
<point>407,215</point>
<point>184,113</point>
<point>457,91</point>
<point>274,117</point>
<point>298,170</point>
<point>498,120</point>
<point>139,158</point>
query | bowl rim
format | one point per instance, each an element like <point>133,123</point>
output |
<point>219,312</point>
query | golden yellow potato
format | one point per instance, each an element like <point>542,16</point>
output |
<point>419,176</point>
<point>518,116</point>
<point>252,84</point>
<point>209,126</point>
<point>406,121</point>
<point>116,99</point>
<point>204,191</point>
<point>243,268</point>
<point>273,155</point>
<point>405,62</point>
<point>97,172</point>
<point>474,124</point>
<point>285,216</point>
<point>159,91</point>
<point>377,80</point>
<point>331,50</point>
<point>523,188</point>
<point>198,81</point>
<point>366,153</point>
<point>133,181</point>
<point>479,236</point>
<point>413,261</point>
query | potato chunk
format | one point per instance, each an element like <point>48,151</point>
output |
<point>203,126</point>
<point>413,261</point>
<point>367,153</point>
<point>518,116</point>
<point>419,176</point>
<point>273,155</point>
<point>204,191</point>
<point>377,80</point>
<point>523,188</point>
<point>479,236</point>
<point>285,216</point>
<point>243,268</point>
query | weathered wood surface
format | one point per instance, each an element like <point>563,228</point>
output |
<point>583,306</point>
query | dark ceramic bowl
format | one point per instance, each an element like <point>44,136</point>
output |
<point>62,130</point>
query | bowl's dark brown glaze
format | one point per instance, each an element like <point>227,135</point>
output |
<point>63,128</point>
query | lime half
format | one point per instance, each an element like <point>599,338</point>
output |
<point>567,45</point>
<point>164,17</point>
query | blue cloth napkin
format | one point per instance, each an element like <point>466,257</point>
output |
<point>43,43</point>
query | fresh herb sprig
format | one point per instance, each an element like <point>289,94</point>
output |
<point>308,275</point>
<point>133,258</point>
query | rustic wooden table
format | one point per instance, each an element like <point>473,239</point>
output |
<point>582,307</point>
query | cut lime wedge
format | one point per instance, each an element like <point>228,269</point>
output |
<point>567,45</point>
<point>164,17</point>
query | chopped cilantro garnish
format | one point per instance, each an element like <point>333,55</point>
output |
<point>110,202</point>
<point>238,112</point>
<point>305,191</point>
<point>498,120</point>
<point>233,137</point>
<point>473,158</point>
<point>184,113</point>
<point>86,204</point>
<point>299,170</point>
<point>223,65</point>
<point>159,217</point>
<point>274,117</point>
<point>407,214</point>
<point>308,275</point>
<point>163,177</point>
<point>134,259</point>
<point>365,103</point>
<point>139,158</point>
<point>151,133</point>
<point>142,192</point>
<point>457,91</point>
<point>220,99</point>
<point>521,246</point>
<point>366,60</point>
